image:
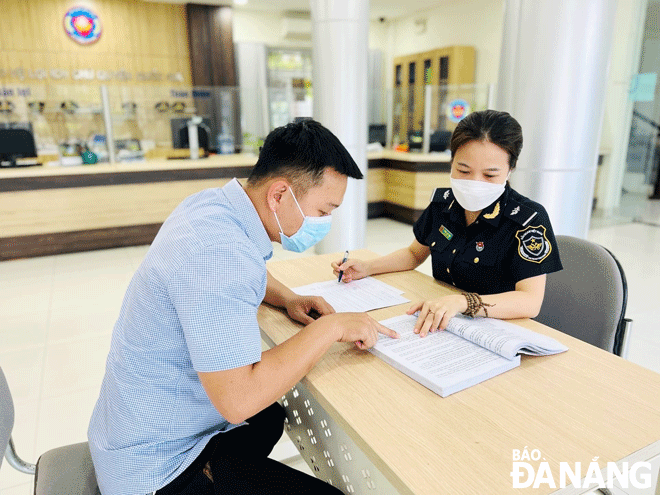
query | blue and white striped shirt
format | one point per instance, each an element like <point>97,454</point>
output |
<point>191,306</point>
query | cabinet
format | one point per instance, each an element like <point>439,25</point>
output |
<point>442,67</point>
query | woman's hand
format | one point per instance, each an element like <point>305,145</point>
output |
<point>353,269</point>
<point>306,309</point>
<point>436,313</point>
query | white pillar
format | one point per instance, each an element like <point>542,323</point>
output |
<point>553,73</point>
<point>340,37</point>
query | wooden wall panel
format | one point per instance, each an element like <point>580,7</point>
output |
<point>137,36</point>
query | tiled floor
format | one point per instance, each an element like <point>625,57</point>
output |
<point>58,313</point>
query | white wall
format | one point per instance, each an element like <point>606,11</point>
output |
<point>458,22</point>
<point>266,27</point>
<point>262,27</point>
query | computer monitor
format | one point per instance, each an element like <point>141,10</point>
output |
<point>439,140</point>
<point>15,144</point>
<point>180,133</point>
<point>377,133</point>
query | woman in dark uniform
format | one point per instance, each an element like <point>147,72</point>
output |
<point>483,237</point>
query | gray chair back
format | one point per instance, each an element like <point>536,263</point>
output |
<point>6,415</point>
<point>587,299</point>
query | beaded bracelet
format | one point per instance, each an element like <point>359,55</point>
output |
<point>474,303</point>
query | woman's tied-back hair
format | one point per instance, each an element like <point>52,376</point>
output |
<point>498,128</point>
<point>300,152</point>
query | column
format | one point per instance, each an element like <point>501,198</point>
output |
<point>340,38</point>
<point>553,73</point>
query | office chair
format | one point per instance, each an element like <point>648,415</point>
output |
<point>66,469</point>
<point>588,298</point>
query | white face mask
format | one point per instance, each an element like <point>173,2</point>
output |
<point>475,195</point>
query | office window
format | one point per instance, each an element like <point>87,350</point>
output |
<point>411,73</point>
<point>397,75</point>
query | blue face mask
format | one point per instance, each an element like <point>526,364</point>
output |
<point>312,230</point>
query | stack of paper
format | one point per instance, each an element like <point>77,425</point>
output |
<point>357,296</point>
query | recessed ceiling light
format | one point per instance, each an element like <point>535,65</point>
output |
<point>240,2</point>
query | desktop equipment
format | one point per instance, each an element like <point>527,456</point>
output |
<point>439,140</point>
<point>16,144</point>
<point>179,129</point>
<point>377,134</point>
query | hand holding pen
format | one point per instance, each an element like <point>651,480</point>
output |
<point>348,270</point>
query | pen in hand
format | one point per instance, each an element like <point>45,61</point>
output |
<point>341,272</point>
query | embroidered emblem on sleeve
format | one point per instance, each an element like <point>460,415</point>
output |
<point>533,245</point>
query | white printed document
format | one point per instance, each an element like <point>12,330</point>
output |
<point>357,296</point>
<point>468,352</point>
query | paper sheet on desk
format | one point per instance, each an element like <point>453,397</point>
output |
<point>357,296</point>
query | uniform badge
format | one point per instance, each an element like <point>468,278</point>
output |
<point>446,195</point>
<point>533,245</point>
<point>445,231</point>
<point>480,246</point>
<point>515,211</point>
<point>494,213</point>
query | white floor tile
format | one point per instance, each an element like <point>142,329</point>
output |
<point>23,369</point>
<point>23,330</point>
<point>25,488</point>
<point>645,353</point>
<point>24,299</point>
<point>75,365</point>
<point>64,420</point>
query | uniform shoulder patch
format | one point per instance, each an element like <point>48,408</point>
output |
<point>533,244</point>
<point>519,213</point>
<point>442,195</point>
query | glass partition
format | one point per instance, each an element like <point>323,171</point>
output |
<point>151,121</point>
<point>417,115</point>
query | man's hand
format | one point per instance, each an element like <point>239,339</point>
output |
<point>359,328</point>
<point>306,309</point>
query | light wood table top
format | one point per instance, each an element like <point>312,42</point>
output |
<point>572,406</point>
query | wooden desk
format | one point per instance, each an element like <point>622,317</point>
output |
<point>572,407</point>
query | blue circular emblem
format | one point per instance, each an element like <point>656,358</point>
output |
<point>82,25</point>
<point>458,109</point>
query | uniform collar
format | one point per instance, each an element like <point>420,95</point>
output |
<point>491,214</point>
<point>249,218</point>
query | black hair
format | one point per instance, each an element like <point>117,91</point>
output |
<point>498,128</point>
<point>300,152</point>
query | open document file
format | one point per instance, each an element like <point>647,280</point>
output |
<point>469,352</point>
<point>356,297</point>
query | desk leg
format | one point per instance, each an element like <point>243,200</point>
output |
<point>327,449</point>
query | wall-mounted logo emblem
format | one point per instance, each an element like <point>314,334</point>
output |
<point>82,25</point>
<point>457,110</point>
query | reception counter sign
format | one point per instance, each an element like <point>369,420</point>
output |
<point>82,25</point>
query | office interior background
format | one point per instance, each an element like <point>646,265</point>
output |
<point>109,141</point>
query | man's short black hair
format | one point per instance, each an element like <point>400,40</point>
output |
<point>300,152</point>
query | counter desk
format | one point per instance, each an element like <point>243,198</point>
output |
<point>51,210</point>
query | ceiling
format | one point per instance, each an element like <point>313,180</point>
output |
<point>389,9</point>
